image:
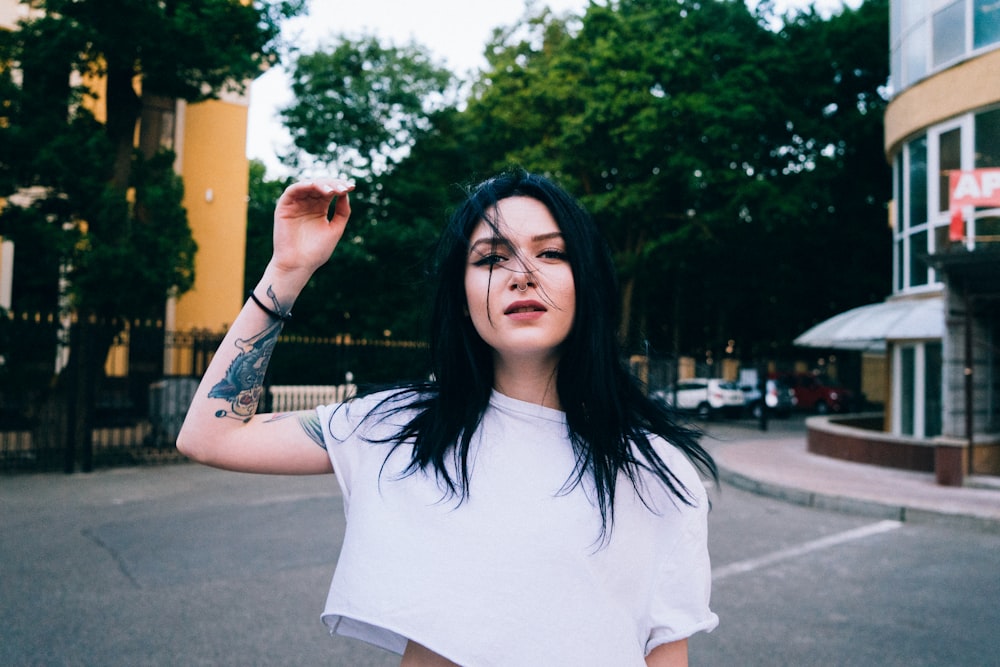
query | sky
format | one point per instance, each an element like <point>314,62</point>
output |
<point>454,31</point>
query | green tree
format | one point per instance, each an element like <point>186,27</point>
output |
<point>360,104</point>
<point>84,170</point>
<point>384,115</point>
<point>122,239</point>
<point>721,157</point>
<point>653,112</point>
<point>819,244</point>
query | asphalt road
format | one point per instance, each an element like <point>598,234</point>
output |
<point>183,565</point>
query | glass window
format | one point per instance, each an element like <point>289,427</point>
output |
<point>988,228</point>
<point>985,23</point>
<point>900,220</point>
<point>932,390</point>
<point>918,182</point>
<point>949,33</point>
<point>949,158</point>
<point>918,263</point>
<point>896,71</point>
<point>941,238</point>
<point>911,11</point>
<point>915,55</point>
<point>988,135</point>
<point>907,388</point>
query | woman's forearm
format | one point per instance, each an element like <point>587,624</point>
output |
<point>222,427</point>
<point>230,392</point>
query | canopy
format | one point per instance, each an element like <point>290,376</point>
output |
<point>867,328</point>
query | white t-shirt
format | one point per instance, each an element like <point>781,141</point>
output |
<point>516,573</point>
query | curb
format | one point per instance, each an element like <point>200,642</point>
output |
<point>855,506</point>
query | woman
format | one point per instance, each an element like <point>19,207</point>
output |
<point>529,506</point>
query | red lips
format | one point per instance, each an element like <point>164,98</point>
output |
<point>523,307</point>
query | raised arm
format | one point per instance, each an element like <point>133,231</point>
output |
<point>222,427</point>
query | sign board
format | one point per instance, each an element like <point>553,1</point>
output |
<point>971,188</point>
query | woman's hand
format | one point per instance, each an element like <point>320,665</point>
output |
<point>304,235</point>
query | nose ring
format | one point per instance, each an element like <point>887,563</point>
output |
<point>521,288</point>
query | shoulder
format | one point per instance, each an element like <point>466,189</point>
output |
<point>682,470</point>
<point>372,412</point>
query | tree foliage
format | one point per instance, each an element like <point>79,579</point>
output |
<point>384,115</point>
<point>704,141</point>
<point>359,105</point>
<point>735,168</point>
<point>118,208</point>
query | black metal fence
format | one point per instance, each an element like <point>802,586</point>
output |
<point>77,395</point>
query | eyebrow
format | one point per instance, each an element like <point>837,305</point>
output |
<point>494,241</point>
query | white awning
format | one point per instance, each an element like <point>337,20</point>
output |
<point>869,327</point>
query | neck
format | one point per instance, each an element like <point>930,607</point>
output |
<point>531,382</point>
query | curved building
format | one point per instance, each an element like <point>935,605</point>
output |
<point>939,328</point>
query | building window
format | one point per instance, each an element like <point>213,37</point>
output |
<point>926,36</point>
<point>917,386</point>
<point>988,228</point>
<point>986,23</point>
<point>987,155</point>
<point>918,262</point>
<point>907,389</point>
<point>922,196</point>
<point>948,33</point>
<point>918,182</point>
<point>915,55</point>
<point>949,158</point>
<point>941,239</point>
<point>932,389</point>
<point>988,132</point>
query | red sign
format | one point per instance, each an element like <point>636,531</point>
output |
<point>977,187</point>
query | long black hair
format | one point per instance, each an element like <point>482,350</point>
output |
<point>609,416</point>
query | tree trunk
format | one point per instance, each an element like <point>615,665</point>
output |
<point>123,110</point>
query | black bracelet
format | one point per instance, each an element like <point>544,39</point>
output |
<point>273,313</point>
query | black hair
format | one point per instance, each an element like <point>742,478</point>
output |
<point>609,416</point>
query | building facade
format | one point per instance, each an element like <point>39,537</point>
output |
<point>939,330</point>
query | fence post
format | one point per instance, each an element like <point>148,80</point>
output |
<point>80,398</point>
<point>72,370</point>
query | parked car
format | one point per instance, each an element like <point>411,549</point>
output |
<point>819,393</point>
<point>779,399</point>
<point>705,397</point>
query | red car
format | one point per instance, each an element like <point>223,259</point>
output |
<point>819,393</point>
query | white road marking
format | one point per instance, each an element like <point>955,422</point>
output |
<point>752,564</point>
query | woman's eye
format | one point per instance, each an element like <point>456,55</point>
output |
<point>489,260</point>
<point>554,254</point>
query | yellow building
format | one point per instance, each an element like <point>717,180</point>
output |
<point>211,159</point>
<point>209,139</point>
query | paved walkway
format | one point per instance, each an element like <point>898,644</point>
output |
<point>777,463</point>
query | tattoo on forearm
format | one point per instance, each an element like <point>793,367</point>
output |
<point>308,420</point>
<point>244,379</point>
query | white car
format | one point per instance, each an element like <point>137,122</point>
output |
<point>705,397</point>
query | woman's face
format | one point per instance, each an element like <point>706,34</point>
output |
<point>518,282</point>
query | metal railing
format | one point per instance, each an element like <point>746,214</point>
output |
<point>77,395</point>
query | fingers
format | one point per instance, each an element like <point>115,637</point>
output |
<point>321,189</point>
<point>311,199</point>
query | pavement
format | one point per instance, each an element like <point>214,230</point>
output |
<point>187,565</point>
<point>777,463</point>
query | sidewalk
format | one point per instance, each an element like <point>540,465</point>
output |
<point>777,464</point>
